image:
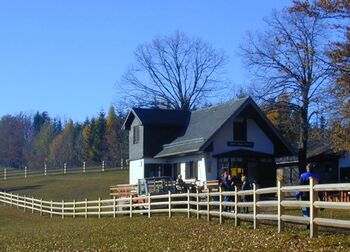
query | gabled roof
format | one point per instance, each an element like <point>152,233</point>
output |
<point>197,128</point>
<point>162,117</point>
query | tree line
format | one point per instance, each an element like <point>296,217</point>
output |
<point>36,140</point>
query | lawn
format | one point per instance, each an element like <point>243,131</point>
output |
<point>31,232</point>
<point>76,186</point>
<point>24,231</point>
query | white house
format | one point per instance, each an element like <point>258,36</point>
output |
<point>235,136</point>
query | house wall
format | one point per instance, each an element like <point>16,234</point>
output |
<point>136,150</point>
<point>136,170</point>
<point>254,134</point>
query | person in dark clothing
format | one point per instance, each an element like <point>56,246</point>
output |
<point>305,180</point>
<point>245,186</point>
<point>226,186</point>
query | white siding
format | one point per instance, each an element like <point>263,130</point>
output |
<point>136,171</point>
<point>254,134</point>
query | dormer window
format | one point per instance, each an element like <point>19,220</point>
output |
<point>240,130</point>
<point>136,134</point>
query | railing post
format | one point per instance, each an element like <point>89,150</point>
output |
<point>86,209</point>
<point>220,204</point>
<point>169,203</point>
<point>149,205</point>
<point>32,204</point>
<point>197,198</point>
<point>24,203</point>
<point>237,221</point>
<point>73,209</point>
<point>130,206</point>
<point>208,205</point>
<point>99,208</point>
<point>313,210</point>
<point>188,204</point>
<point>62,209</point>
<point>255,208</point>
<point>41,206</point>
<point>280,209</point>
<point>51,209</point>
<point>113,206</point>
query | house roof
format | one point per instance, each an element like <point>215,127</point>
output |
<point>162,117</point>
<point>197,128</point>
<point>202,125</point>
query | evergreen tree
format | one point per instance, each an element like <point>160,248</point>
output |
<point>111,136</point>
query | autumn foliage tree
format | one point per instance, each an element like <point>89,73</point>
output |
<point>287,59</point>
<point>337,13</point>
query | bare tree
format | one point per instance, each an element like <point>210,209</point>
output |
<point>288,59</point>
<point>176,72</point>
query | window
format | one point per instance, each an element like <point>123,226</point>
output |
<point>191,170</point>
<point>240,131</point>
<point>136,134</point>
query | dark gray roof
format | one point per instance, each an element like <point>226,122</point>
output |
<point>196,128</point>
<point>162,117</point>
<point>202,125</point>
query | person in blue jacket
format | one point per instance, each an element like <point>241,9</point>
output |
<point>304,180</point>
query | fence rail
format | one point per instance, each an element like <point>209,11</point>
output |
<point>208,204</point>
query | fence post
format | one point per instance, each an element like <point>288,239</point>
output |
<point>5,174</point>
<point>197,198</point>
<point>41,206</point>
<point>84,167</point>
<point>188,204</point>
<point>45,170</point>
<point>237,222</point>
<point>149,205</point>
<point>64,168</point>
<point>51,209</point>
<point>32,204</point>
<point>208,205</point>
<point>103,166</point>
<point>313,210</point>
<point>25,171</point>
<point>11,199</point>
<point>17,201</point>
<point>280,208</point>
<point>73,209</point>
<point>24,203</point>
<point>169,203</point>
<point>99,207</point>
<point>255,208</point>
<point>86,208</point>
<point>62,209</point>
<point>220,204</point>
<point>130,206</point>
<point>113,206</point>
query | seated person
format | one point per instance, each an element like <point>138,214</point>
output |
<point>180,184</point>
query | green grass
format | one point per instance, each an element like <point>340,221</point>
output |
<point>76,186</point>
<point>23,231</point>
<point>30,232</point>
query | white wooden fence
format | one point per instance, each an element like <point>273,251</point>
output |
<point>207,204</point>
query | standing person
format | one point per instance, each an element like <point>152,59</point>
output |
<point>245,186</point>
<point>304,180</point>
<point>226,186</point>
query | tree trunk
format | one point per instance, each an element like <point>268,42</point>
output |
<point>303,138</point>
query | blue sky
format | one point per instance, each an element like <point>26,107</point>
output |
<point>65,57</point>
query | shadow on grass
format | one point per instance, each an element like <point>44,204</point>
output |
<point>21,188</point>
